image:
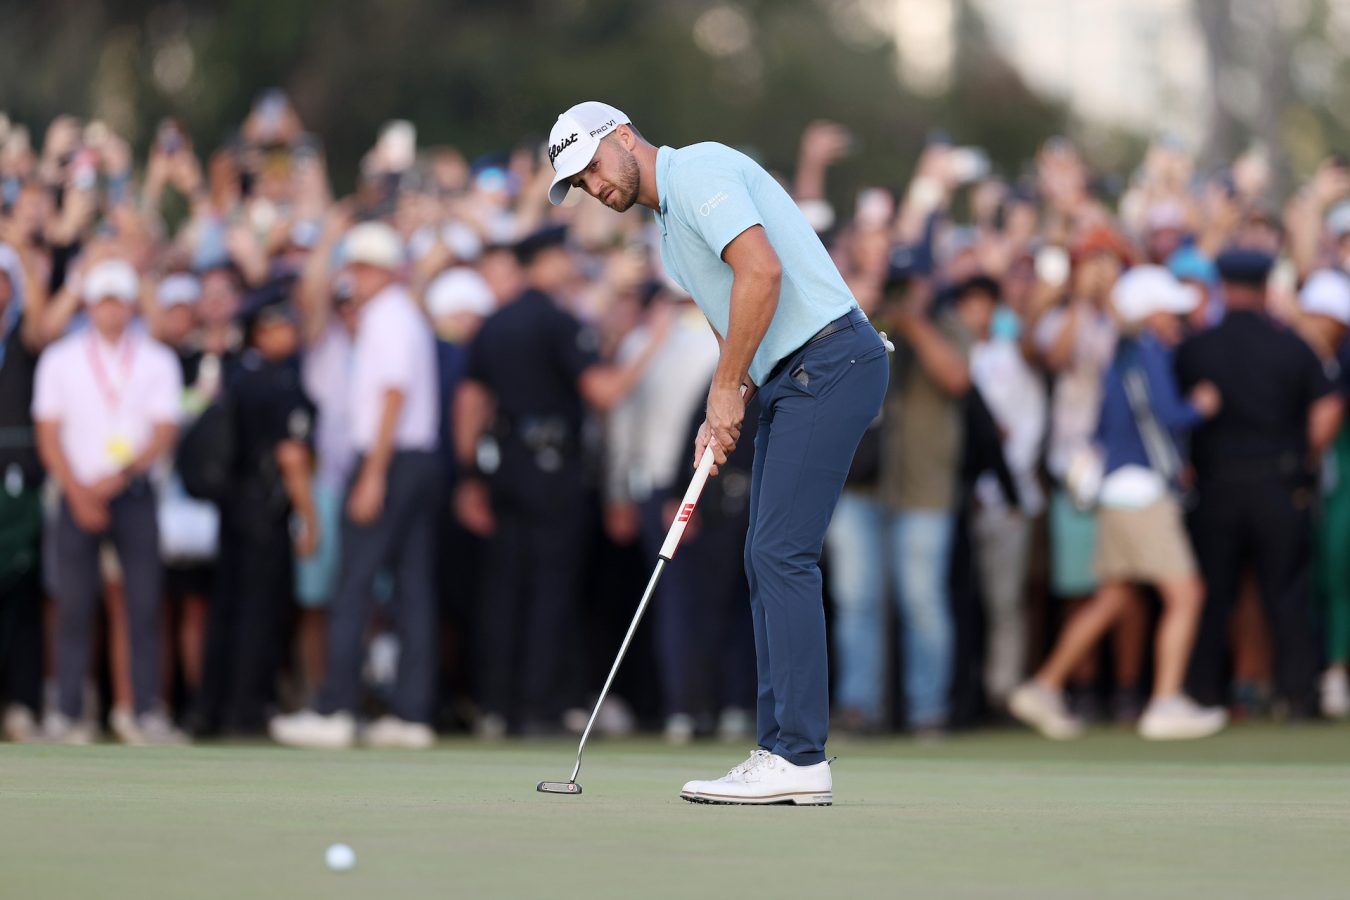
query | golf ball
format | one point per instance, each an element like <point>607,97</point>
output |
<point>340,857</point>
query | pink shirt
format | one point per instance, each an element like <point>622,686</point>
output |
<point>106,398</point>
<point>394,350</point>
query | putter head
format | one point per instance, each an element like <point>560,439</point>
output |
<point>558,787</point>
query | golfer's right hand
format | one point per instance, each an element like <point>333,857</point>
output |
<point>701,442</point>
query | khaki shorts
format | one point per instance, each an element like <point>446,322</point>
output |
<point>1148,545</point>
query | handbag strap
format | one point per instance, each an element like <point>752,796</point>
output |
<point>1158,446</point>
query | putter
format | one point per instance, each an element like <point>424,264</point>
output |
<point>667,551</point>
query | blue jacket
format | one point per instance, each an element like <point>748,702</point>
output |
<point>1117,432</point>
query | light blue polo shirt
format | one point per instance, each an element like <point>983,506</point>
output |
<point>711,193</point>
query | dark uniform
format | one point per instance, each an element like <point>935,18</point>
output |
<point>247,629</point>
<point>20,523</point>
<point>1255,486</point>
<point>529,356</point>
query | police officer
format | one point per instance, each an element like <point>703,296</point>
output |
<point>273,424</point>
<point>1255,479</point>
<point>533,370</point>
<point>21,305</point>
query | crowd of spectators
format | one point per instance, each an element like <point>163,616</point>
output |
<point>360,469</point>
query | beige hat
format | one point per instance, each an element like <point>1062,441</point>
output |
<point>375,244</point>
<point>110,278</point>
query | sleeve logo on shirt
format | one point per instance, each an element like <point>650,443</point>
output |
<point>712,203</point>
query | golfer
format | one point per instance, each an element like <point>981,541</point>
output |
<point>790,331</point>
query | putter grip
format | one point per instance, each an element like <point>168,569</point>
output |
<point>687,505</point>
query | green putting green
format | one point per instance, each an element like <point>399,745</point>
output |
<point>1258,811</point>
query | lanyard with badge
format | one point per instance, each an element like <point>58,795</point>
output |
<point>112,382</point>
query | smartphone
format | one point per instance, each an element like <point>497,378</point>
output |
<point>84,169</point>
<point>398,145</point>
<point>168,139</point>
<point>969,164</point>
<point>1052,265</point>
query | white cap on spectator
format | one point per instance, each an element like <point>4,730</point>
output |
<point>111,278</point>
<point>375,244</point>
<point>1144,290</point>
<point>1165,215</point>
<point>179,289</point>
<point>575,138</point>
<point>1338,220</point>
<point>1326,293</point>
<point>462,240</point>
<point>458,290</point>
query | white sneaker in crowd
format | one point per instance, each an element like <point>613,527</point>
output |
<point>393,733</point>
<point>1335,693</point>
<point>20,726</point>
<point>123,724</point>
<point>679,728</point>
<point>58,728</point>
<point>1179,718</point>
<point>1043,708</point>
<point>153,729</point>
<point>734,724</point>
<point>766,778</point>
<point>314,730</point>
<point>490,727</point>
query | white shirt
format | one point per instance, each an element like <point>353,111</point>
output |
<point>327,374</point>
<point>394,350</point>
<point>645,434</point>
<point>1015,395</point>
<point>106,398</point>
<point>1077,397</point>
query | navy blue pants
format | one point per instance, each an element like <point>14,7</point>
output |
<point>402,539</point>
<point>813,413</point>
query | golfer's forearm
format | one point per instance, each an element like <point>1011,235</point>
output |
<point>382,452</point>
<point>754,300</point>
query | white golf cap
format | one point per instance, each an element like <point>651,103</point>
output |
<point>1338,220</point>
<point>375,244</point>
<point>1326,293</point>
<point>1144,290</point>
<point>179,289</point>
<point>574,139</point>
<point>459,290</point>
<point>111,278</point>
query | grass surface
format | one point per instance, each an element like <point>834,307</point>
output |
<point>1257,811</point>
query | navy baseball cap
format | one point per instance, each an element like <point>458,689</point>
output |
<point>1242,266</point>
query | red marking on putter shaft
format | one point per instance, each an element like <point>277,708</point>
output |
<point>686,511</point>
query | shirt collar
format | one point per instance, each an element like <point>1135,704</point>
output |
<point>664,155</point>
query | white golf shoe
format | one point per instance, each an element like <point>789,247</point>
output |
<point>1335,693</point>
<point>310,729</point>
<point>1179,718</point>
<point>391,732</point>
<point>766,778</point>
<point>1043,708</point>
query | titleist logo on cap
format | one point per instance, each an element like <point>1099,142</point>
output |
<point>555,149</point>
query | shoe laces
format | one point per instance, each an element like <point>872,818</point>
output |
<point>758,757</point>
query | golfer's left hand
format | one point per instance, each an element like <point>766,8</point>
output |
<point>722,425</point>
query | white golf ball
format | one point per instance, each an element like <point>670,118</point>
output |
<point>340,857</point>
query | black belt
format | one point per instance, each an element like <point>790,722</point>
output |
<point>849,320</point>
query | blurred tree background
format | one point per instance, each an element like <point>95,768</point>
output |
<point>486,75</point>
